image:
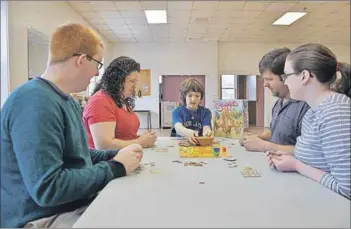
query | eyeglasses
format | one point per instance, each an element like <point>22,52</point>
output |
<point>99,66</point>
<point>286,75</point>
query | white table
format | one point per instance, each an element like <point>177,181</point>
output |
<point>174,198</point>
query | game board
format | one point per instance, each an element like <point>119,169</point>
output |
<point>214,151</point>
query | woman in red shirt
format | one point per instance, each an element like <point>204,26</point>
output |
<point>108,117</point>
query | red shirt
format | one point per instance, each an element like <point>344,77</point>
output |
<point>102,108</point>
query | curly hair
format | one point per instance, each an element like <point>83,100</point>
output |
<point>112,81</point>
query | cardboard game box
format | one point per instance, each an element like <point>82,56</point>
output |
<point>230,118</point>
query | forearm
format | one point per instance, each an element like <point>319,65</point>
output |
<point>59,186</point>
<point>102,155</point>
<point>270,146</point>
<point>309,171</point>
<point>114,144</point>
<point>266,135</point>
<point>181,130</point>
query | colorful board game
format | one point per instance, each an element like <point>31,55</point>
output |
<point>214,151</point>
<point>230,118</point>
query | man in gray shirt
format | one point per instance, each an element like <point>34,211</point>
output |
<point>287,113</point>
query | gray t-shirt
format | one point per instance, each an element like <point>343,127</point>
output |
<point>287,120</point>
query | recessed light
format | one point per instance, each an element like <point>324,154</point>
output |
<point>156,16</point>
<point>289,18</point>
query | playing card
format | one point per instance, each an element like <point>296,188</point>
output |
<point>249,172</point>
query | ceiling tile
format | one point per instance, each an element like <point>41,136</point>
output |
<point>114,21</point>
<point>132,14</point>
<point>181,5</point>
<point>202,13</point>
<point>232,5</point>
<point>225,13</point>
<point>205,5</point>
<point>136,21</point>
<point>280,6</point>
<point>138,28</point>
<point>96,21</point>
<point>181,22</point>
<point>256,5</point>
<point>82,6</point>
<point>246,14</point>
<point>179,13</point>
<point>212,26</point>
<point>154,5</point>
<point>89,14</point>
<point>193,28</point>
<point>128,5</point>
<point>109,14</point>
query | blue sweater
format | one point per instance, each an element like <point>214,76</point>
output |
<point>46,165</point>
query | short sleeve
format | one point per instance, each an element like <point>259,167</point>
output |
<point>177,116</point>
<point>99,109</point>
<point>206,121</point>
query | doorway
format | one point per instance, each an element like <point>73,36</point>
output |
<point>169,94</point>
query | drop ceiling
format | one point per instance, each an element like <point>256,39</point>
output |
<point>238,21</point>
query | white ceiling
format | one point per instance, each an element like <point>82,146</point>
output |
<point>125,21</point>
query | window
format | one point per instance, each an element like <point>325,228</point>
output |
<point>228,86</point>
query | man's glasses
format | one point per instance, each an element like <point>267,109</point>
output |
<point>99,66</point>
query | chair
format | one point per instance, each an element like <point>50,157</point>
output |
<point>173,132</point>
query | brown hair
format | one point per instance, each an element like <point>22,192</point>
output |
<point>69,39</point>
<point>322,63</point>
<point>189,85</point>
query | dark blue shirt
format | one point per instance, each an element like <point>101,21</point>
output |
<point>287,121</point>
<point>46,165</point>
<point>192,119</point>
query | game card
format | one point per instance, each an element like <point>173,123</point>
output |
<point>249,172</point>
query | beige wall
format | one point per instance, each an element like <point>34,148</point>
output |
<point>43,16</point>
<point>173,59</point>
<point>211,59</point>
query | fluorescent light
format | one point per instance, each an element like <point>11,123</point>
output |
<point>156,16</point>
<point>289,18</point>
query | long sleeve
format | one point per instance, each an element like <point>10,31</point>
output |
<point>47,160</point>
<point>102,155</point>
<point>335,133</point>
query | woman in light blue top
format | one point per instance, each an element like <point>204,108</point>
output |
<point>323,150</point>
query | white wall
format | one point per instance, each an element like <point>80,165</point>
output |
<point>211,59</point>
<point>43,16</point>
<point>243,58</point>
<point>38,56</point>
<point>5,82</point>
<point>173,59</point>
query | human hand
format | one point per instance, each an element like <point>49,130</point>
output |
<point>147,139</point>
<point>192,138</point>
<point>130,157</point>
<point>207,132</point>
<point>254,143</point>
<point>243,136</point>
<point>282,161</point>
